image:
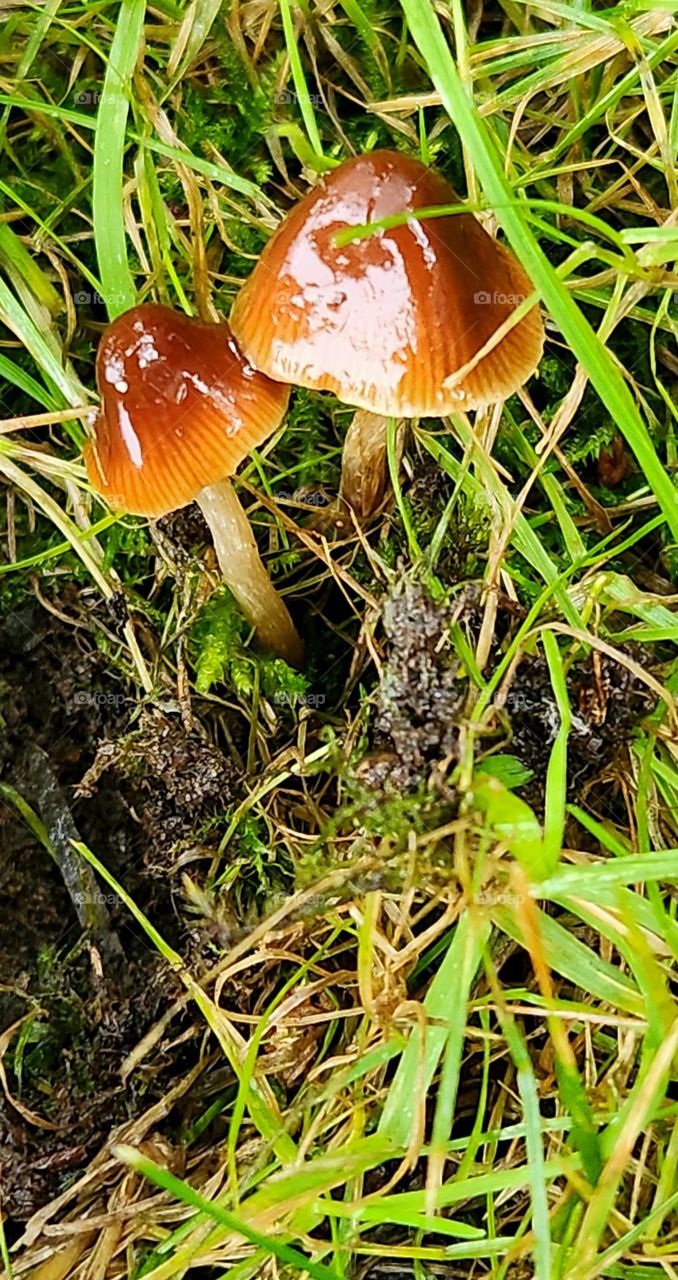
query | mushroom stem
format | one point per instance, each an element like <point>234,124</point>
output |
<point>245,574</point>
<point>364,462</point>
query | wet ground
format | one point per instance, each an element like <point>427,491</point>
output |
<point>80,981</point>
<point>77,755</point>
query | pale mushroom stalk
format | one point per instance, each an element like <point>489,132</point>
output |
<point>244,573</point>
<point>364,461</point>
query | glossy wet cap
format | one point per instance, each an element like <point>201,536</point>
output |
<point>385,322</point>
<point>181,408</point>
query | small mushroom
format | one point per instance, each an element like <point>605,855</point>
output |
<point>392,322</point>
<point>181,409</point>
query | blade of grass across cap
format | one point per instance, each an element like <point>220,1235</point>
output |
<point>261,1106</point>
<point>577,332</point>
<point>299,79</point>
<point>407,1093</point>
<point>117,284</point>
<point>184,1192</point>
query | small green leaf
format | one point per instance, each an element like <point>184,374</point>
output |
<point>508,770</point>
<point>513,822</point>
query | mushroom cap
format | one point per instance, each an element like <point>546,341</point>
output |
<point>385,320</point>
<point>181,408</point>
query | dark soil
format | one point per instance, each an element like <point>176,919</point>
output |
<point>423,690</point>
<point>135,792</point>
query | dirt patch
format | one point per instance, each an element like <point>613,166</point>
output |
<point>79,998</point>
<point>607,701</point>
<point>421,698</point>
<point>174,781</point>
<point>420,695</point>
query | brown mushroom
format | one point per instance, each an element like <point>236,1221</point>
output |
<point>396,322</point>
<point>181,409</point>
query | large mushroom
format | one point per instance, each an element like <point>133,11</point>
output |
<point>400,323</point>
<point>181,409</point>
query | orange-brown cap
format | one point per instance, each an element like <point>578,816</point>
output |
<point>181,409</point>
<point>385,321</point>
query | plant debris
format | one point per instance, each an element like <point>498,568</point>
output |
<point>422,693</point>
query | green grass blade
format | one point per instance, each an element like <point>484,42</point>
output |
<point>556,776</point>
<point>417,1067</point>
<point>467,939</point>
<point>272,1247</point>
<point>536,1163</point>
<point>303,95</point>
<point>117,284</point>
